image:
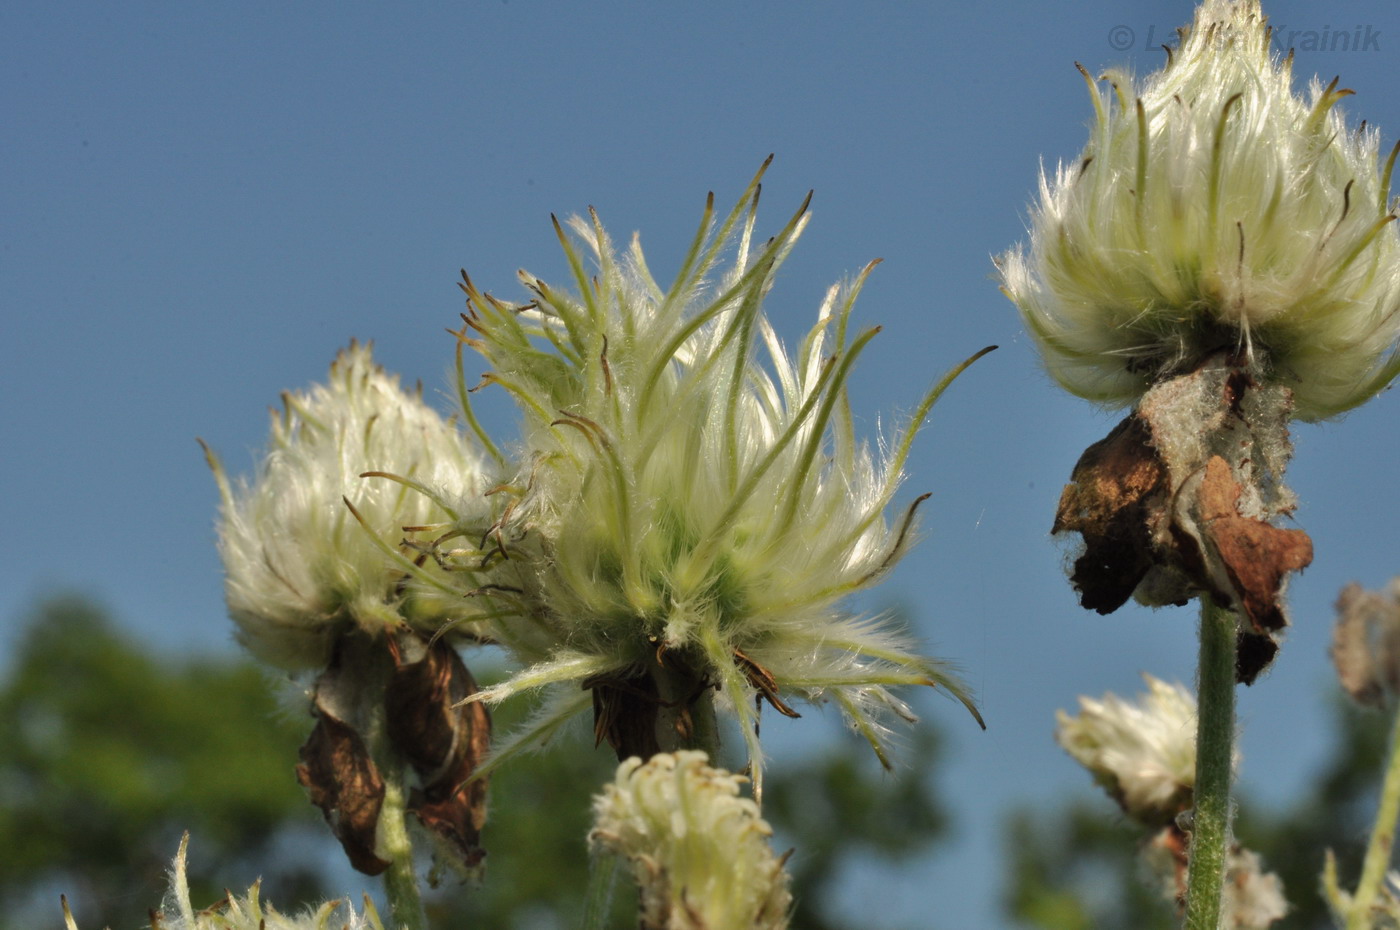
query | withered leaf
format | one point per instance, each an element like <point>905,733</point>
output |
<point>343,781</point>
<point>444,740</point>
<point>1256,555</point>
<point>625,712</point>
<point>1353,652</point>
<point>1253,653</point>
<point>1366,643</point>
<point>1116,485</point>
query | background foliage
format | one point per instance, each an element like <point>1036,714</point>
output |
<point>108,753</point>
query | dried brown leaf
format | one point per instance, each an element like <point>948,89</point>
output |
<point>444,739</point>
<point>1117,485</point>
<point>343,781</point>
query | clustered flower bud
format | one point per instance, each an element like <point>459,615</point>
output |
<point>699,852</point>
<point>310,547</point>
<point>320,578</point>
<point>1142,753</point>
<point>1215,209</point>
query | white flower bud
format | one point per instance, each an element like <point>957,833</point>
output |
<point>301,565</point>
<point>699,852</point>
<point>1214,209</point>
<point>1143,753</point>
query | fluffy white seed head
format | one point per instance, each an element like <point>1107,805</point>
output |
<point>1214,208</point>
<point>689,502</point>
<point>302,565</point>
<point>1142,753</point>
<point>700,853</point>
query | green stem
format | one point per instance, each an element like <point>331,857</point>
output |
<point>1215,735</point>
<point>1382,839</point>
<point>400,880</point>
<point>602,881</point>
<point>680,715</point>
<point>687,716</point>
<point>372,671</point>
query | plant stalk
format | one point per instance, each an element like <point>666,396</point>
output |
<point>687,715</point>
<point>1377,860</point>
<point>602,882</point>
<point>1215,736</point>
<point>400,880</point>
<point>392,841</point>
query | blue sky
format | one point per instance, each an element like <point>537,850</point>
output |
<point>202,203</point>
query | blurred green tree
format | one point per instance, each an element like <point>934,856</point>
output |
<point>109,751</point>
<point>1077,868</point>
